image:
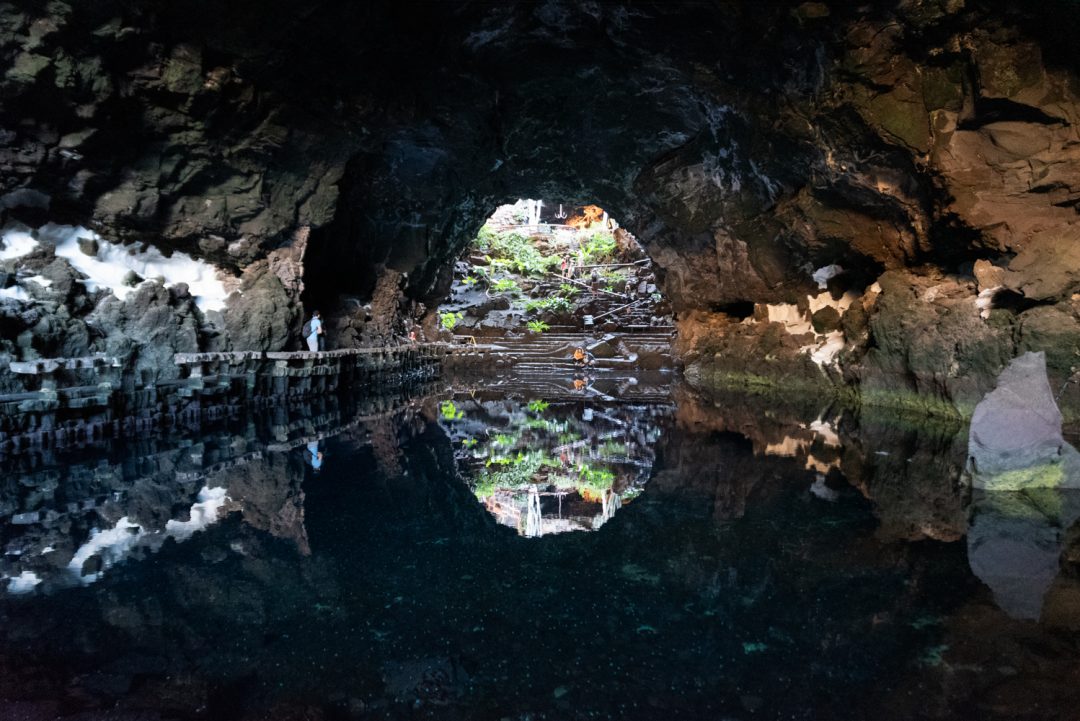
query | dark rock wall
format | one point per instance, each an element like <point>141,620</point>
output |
<point>745,144</point>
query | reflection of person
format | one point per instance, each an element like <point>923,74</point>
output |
<point>315,455</point>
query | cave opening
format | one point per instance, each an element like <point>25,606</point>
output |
<point>554,283</point>
<point>807,421</point>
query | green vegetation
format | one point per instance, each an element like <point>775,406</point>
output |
<point>538,406</point>
<point>613,448</point>
<point>449,411</point>
<point>554,304</point>
<point>484,238</point>
<point>567,290</point>
<point>597,479</point>
<point>506,285</point>
<point>598,248</point>
<point>516,252</point>
<point>537,326</point>
<point>450,320</point>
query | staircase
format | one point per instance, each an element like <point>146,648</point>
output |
<point>638,347</point>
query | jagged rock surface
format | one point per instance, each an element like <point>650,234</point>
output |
<point>917,137</point>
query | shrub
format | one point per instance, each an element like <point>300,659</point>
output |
<point>537,326</point>
<point>568,291</point>
<point>449,320</point>
<point>514,251</point>
<point>484,238</point>
<point>598,248</point>
<point>506,285</point>
<point>555,304</point>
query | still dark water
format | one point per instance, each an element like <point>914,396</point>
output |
<point>631,552</point>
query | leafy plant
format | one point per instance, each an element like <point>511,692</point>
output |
<point>506,285</point>
<point>598,248</point>
<point>568,290</point>
<point>537,326</point>
<point>555,304</point>
<point>450,411</point>
<point>516,252</point>
<point>538,406</point>
<point>598,479</point>
<point>614,277</point>
<point>484,238</point>
<point>449,320</point>
<point>469,442</point>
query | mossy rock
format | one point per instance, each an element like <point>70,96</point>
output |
<point>899,115</point>
<point>1042,475</point>
<point>943,88</point>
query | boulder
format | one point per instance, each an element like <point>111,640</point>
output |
<point>1048,268</point>
<point>1015,439</point>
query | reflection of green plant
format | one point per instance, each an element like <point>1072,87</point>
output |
<point>598,479</point>
<point>538,406</point>
<point>449,320</point>
<point>612,448</point>
<point>568,437</point>
<point>513,472</point>
<point>537,326</point>
<point>450,412</point>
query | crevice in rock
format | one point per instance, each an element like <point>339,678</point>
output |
<point>999,110</point>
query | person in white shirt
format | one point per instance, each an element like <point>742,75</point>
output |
<point>315,327</point>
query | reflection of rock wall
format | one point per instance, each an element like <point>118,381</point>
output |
<point>915,485</point>
<point>78,521</point>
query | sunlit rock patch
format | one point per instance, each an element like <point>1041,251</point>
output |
<point>115,268</point>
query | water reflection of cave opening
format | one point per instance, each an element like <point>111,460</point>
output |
<point>550,467</point>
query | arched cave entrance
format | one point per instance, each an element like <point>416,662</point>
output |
<point>564,278</point>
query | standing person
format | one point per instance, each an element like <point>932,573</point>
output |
<point>314,329</point>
